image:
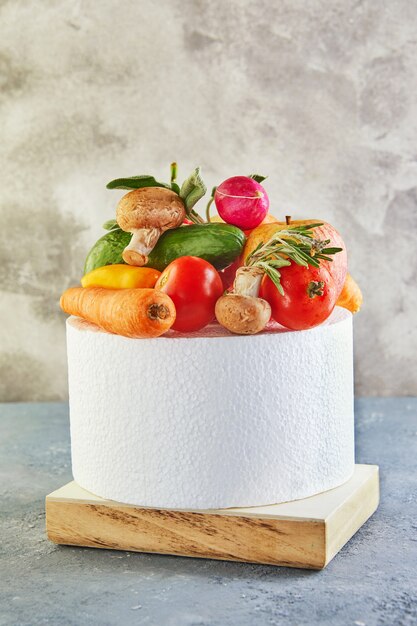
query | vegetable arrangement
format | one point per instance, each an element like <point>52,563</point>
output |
<point>161,266</point>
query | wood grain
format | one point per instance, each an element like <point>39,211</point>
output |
<point>305,534</point>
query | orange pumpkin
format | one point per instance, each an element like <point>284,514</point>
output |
<point>351,297</point>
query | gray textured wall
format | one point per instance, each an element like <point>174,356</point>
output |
<point>319,94</point>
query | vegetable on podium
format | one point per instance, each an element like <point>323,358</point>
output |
<point>135,313</point>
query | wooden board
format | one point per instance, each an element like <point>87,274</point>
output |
<point>305,533</point>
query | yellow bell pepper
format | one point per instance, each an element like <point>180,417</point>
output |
<point>121,277</point>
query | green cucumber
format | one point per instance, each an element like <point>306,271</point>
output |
<point>219,244</point>
<point>107,250</point>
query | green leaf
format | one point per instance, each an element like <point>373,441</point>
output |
<point>275,276</point>
<point>258,177</point>
<point>136,182</point>
<point>110,225</point>
<point>331,250</point>
<point>175,188</point>
<point>279,262</point>
<point>303,227</point>
<point>192,189</point>
<point>301,257</point>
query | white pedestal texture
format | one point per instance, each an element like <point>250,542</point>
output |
<point>212,420</point>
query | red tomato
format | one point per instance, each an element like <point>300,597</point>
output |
<point>195,286</point>
<point>310,296</point>
<point>228,273</point>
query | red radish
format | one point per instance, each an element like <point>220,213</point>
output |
<point>241,201</point>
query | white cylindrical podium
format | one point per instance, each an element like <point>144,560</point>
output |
<point>212,420</point>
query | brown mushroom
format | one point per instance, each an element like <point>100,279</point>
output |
<point>242,315</point>
<point>242,311</point>
<point>147,213</point>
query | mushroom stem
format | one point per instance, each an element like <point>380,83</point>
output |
<point>248,281</point>
<point>141,245</point>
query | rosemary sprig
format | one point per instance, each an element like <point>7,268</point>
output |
<point>295,243</point>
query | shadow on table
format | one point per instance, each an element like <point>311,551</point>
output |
<point>163,565</point>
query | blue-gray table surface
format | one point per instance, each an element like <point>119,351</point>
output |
<point>371,582</point>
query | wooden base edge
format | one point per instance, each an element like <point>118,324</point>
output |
<point>303,534</point>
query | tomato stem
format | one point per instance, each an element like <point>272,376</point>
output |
<point>315,288</point>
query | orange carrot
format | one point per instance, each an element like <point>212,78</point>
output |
<point>351,297</point>
<point>136,313</point>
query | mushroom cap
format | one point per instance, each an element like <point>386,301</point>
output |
<point>150,207</point>
<point>243,315</point>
